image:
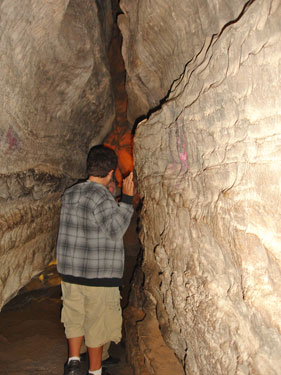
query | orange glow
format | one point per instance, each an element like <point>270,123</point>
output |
<point>123,149</point>
<point>125,162</point>
<point>120,139</point>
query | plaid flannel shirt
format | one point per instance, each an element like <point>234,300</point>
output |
<point>90,247</point>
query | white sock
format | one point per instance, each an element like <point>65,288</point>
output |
<point>73,358</point>
<point>96,372</point>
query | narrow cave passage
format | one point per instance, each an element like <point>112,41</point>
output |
<point>32,338</point>
<point>205,78</point>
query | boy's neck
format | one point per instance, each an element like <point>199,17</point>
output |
<point>102,180</point>
<point>99,180</point>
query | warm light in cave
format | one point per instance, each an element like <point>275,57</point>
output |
<point>123,148</point>
<point>120,138</point>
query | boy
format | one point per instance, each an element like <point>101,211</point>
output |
<point>90,259</point>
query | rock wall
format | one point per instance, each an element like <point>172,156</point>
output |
<point>208,168</point>
<point>56,101</point>
<point>160,38</point>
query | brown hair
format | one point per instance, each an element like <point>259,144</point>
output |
<point>101,160</point>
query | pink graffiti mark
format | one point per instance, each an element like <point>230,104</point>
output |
<point>181,146</point>
<point>11,139</point>
<point>183,158</point>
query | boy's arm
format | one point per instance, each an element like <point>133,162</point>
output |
<point>128,189</point>
<point>114,219</point>
<point>128,185</point>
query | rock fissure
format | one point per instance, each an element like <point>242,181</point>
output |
<point>204,77</point>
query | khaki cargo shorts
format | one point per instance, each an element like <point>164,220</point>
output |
<point>92,312</point>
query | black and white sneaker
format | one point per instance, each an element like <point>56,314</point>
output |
<point>73,368</point>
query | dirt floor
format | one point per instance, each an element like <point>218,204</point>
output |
<point>32,340</point>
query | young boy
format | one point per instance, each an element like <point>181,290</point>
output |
<point>90,259</point>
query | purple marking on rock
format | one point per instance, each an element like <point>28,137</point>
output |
<point>11,139</point>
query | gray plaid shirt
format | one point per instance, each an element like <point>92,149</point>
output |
<point>90,239</point>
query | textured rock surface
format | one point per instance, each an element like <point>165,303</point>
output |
<point>208,166</point>
<point>56,101</point>
<point>146,349</point>
<point>160,37</point>
<point>30,205</point>
<point>120,138</point>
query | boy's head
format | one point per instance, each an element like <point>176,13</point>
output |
<point>101,160</point>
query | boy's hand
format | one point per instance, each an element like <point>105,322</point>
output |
<point>128,185</point>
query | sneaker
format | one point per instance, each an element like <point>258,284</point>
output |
<point>73,368</point>
<point>104,372</point>
<point>84,357</point>
<point>110,361</point>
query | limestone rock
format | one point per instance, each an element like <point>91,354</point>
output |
<point>160,37</point>
<point>56,101</point>
<point>209,166</point>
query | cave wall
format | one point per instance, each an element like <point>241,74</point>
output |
<point>160,37</point>
<point>56,101</point>
<point>208,169</point>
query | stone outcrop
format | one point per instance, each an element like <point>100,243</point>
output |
<point>56,102</point>
<point>160,38</point>
<point>208,168</point>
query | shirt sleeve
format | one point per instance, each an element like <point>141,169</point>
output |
<point>113,219</point>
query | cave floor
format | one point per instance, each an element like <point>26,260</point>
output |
<point>32,340</point>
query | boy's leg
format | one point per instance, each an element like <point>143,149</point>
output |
<point>74,345</point>
<point>105,353</point>
<point>103,321</point>
<point>95,355</point>
<point>72,317</point>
